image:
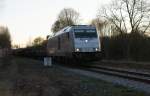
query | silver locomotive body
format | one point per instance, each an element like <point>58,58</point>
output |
<point>78,41</point>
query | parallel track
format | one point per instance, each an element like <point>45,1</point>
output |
<point>143,77</point>
<point>136,76</point>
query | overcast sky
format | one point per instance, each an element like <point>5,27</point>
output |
<point>27,19</point>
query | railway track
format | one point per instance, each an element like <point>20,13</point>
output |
<point>131,75</point>
<point>143,77</point>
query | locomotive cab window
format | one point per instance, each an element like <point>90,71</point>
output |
<point>85,33</point>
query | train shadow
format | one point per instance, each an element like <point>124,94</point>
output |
<point>74,63</point>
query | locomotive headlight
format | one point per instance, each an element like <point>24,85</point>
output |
<point>96,49</point>
<point>86,41</point>
<point>77,49</point>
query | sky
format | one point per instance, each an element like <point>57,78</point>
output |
<point>28,19</point>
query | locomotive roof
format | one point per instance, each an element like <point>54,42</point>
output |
<point>68,28</point>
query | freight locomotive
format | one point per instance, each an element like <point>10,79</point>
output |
<point>78,42</point>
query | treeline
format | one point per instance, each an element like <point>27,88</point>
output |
<point>38,44</point>
<point>36,50</point>
<point>132,46</point>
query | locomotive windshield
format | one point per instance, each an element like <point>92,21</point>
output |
<point>85,33</point>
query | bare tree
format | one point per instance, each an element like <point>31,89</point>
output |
<point>16,46</point>
<point>66,17</point>
<point>104,27</point>
<point>69,15</point>
<point>38,41</point>
<point>128,15</point>
<point>99,24</point>
<point>5,38</point>
<point>56,26</point>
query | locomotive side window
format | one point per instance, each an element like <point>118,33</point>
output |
<point>68,35</point>
<point>59,43</point>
